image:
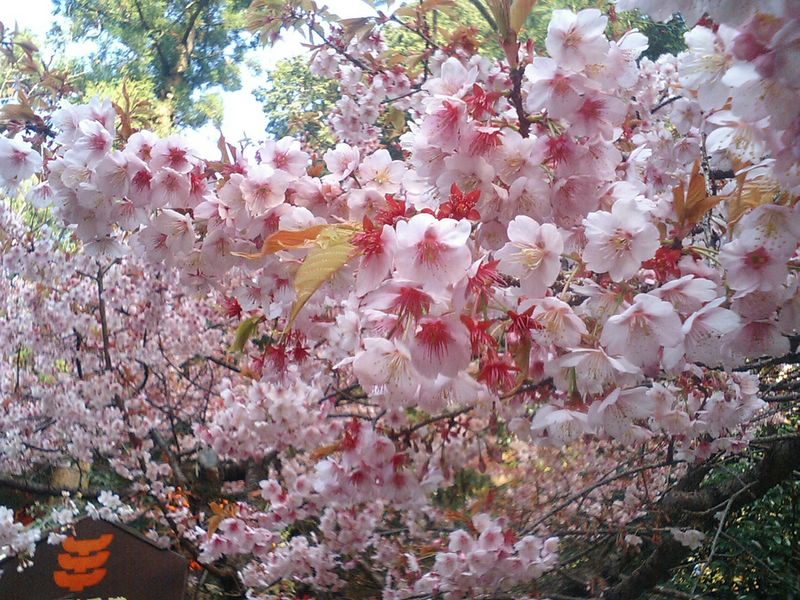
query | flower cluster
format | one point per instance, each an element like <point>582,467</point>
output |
<point>16,538</point>
<point>575,245</point>
<point>490,560</point>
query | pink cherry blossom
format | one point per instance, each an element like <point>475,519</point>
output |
<point>379,249</point>
<point>431,251</point>
<point>93,141</point>
<point>576,40</point>
<point>778,228</point>
<point>18,162</point>
<point>440,346</point>
<point>380,172</point>
<point>503,284</point>
<point>387,366</point>
<point>559,323</point>
<point>264,188</point>
<point>750,265</point>
<point>619,241</point>
<point>598,114</point>
<point>519,157</point>
<point>641,330</point>
<point>550,86</point>
<point>342,160</point>
<point>454,79</point>
<point>285,155</point>
<point>618,411</point>
<point>754,339</point>
<point>169,236</point>
<point>595,370</point>
<point>169,188</point>
<point>558,425</point>
<point>704,330</point>
<point>705,65</point>
<point>533,254</point>
<point>688,293</point>
<point>444,122</point>
<point>173,152</point>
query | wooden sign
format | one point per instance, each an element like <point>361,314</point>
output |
<point>101,561</point>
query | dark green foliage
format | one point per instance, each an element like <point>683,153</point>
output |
<point>758,550</point>
<point>665,38</point>
<point>757,553</point>
<point>298,103</point>
<point>181,46</point>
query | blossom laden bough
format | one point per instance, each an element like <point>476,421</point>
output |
<point>551,256</point>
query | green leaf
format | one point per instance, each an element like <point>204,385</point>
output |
<point>332,251</point>
<point>244,332</point>
<point>397,120</point>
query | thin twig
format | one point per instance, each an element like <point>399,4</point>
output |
<point>666,102</point>
<point>594,486</point>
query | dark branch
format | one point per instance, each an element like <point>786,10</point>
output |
<point>695,509</point>
<point>43,489</point>
<point>666,102</point>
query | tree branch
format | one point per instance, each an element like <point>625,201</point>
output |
<point>695,509</point>
<point>43,489</point>
<point>666,102</point>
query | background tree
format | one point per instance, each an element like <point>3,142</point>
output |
<point>756,554</point>
<point>297,103</point>
<point>181,48</point>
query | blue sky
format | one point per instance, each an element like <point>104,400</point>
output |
<point>243,115</point>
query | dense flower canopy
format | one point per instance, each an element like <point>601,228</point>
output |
<point>570,248</point>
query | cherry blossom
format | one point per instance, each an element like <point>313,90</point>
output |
<point>550,86</point>
<point>533,254</point>
<point>575,40</point>
<point>440,347</point>
<point>18,162</point>
<point>704,330</point>
<point>387,366</point>
<point>263,188</point>
<point>382,172</point>
<point>618,241</point>
<point>285,155</point>
<point>288,360</point>
<point>751,266</point>
<point>595,370</point>
<point>638,332</point>
<point>432,251</point>
<point>342,160</point>
<point>15,538</point>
